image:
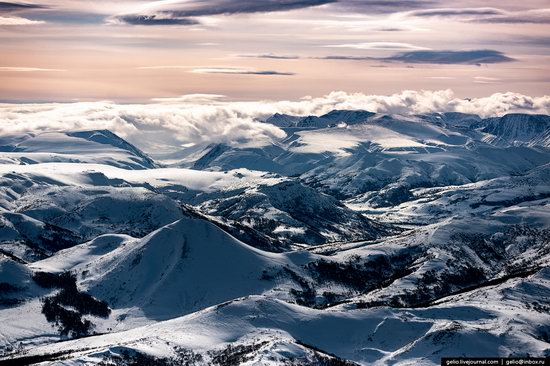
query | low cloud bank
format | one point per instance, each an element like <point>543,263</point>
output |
<point>168,123</point>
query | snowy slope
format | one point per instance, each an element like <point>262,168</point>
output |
<point>517,129</point>
<point>30,239</point>
<point>100,146</point>
<point>513,194</point>
<point>279,331</point>
<point>357,239</point>
<point>89,212</point>
<point>177,269</point>
<point>391,153</point>
<point>139,277</point>
<point>332,118</point>
<point>98,199</point>
<point>293,213</point>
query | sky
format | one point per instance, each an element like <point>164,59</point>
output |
<point>137,51</point>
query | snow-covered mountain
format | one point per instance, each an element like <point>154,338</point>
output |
<point>102,146</point>
<point>357,239</point>
<point>387,154</point>
<point>332,118</point>
<point>517,129</point>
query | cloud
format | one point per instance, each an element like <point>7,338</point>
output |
<point>18,21</point>
<point>191,98</point>
<point>441,77</point>
<point>330,57</point>
<point>151,126</point>
<point>238,71</point>
<point>8,7</point>
<point>348,58</point>
<point>63,12</point>
<point>437,57</point>
<point>68,17</point>
<point>272,56</point>
<point>473,57</point>
<point>543,41</point>
<point>183,12</point>
<point>27,69</point>
<point>378,46</point>
<point>456,12</point>
<point>195,8</point>
<point>198,118</point>
<point>486,80</point>
<point>155,20</point>
<point>486,15</point>
<point>383,6</point>
<point>163,67</point>
<point>538,16</point>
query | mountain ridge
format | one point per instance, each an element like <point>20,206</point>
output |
<point>316,248</point>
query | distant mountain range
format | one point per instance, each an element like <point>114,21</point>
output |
<point>514,129</point>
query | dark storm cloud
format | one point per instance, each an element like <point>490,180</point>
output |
<point>474,57</point>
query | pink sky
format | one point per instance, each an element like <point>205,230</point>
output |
<point>134,51</point>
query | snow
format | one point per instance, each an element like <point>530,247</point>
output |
<point>380,239</point>
<point>84,146</point>
<point>517,129</point>
<point>90,175</point>
<point>190,264</point>
<point>373,336</point>
<point>340,141</point>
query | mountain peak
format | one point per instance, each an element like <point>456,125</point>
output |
<point>329,119</point>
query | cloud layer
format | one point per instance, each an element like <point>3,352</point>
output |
<point>486,15</point>
<point>238,71</point>
<point>13,7</point>
<point>417,56</point>
<point>27,69</point>
<point>10,8</point>
<point>378,46</point>
<point>203,118</point>
<point>185,12</point>
<point>474,57</point>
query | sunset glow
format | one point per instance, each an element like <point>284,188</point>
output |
<point>134,51</point>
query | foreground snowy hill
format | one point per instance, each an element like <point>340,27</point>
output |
<point>270,332</point>
<point>357,239</point>
<point>177,269</point>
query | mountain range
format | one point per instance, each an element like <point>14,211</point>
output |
<point>357,239</point>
